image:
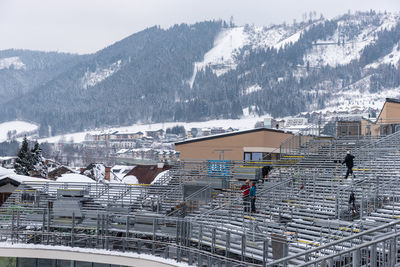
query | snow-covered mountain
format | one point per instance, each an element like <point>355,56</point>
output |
<point>353,34</point>
<point>346,44</point>
<point>212,70</point>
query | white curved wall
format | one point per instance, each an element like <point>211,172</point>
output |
<point>84,254</point>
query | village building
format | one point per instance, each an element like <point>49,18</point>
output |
<point>254,144</point>
<point>386,123</point>
<point>7,162</point>
<point>146,174</point>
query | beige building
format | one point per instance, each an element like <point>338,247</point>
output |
<point>255,144</point>
<point>387,122</point>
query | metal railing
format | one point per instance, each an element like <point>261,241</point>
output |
<point>335,248</point>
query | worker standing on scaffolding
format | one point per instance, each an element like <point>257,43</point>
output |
<point>349,163</point>
<point>246,196</point>
<point>253,197</point>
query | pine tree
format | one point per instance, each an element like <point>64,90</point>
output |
<point>37,161</point>
<point>23,164</point>
<point>36,153</point>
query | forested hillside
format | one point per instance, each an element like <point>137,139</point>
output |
<point>22,71</point>
<point>212,70</point>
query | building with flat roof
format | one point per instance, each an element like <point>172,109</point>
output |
<point>255,144</point>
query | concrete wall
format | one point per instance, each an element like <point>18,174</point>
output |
<point>262,140</point>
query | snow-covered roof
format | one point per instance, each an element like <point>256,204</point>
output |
<point>10,174</point>
<point>75,178</point>
<point>122,151</point>
<point>7,158</point>
<point>130,179</point>
<point>160,176</point>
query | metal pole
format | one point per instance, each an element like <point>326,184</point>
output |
<point>12,225</point>
<point>107,241</point>
<point>102,230</point>
<point>213,241</point>
<point>127,232</point>
<point>200,236</point>
<point>48,221</point>
<point>72,229</point>
<point>154,237</point>
<point>243,247</point>
<point>43,224</point>
<point>337,206</point>
<point>17,230</point>
<point>373,259</point>
<point>227,243</point>
<point>265,252</point>
<point>356,258</point>
<point>98,229</point>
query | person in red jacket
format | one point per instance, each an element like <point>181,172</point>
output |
<point>246,196</point>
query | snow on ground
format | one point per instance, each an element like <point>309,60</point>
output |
<point>252,89</point>
<point>74,178</point>
<point>248,112</point>
<point>14,62</point>
<point>357,99</point>
<point>95,251</point>
<point>92,78</point>
<point>391,58</point>
<point>221,58</point>
<point>130,179</point>
<point>291,39</point>
<point>19,126</point>
<point>226,44</point>
<point>328,52</point>
<point>247,122</point>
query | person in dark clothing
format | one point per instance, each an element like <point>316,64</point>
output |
<point>352,203</point>
<point>265,172</point>
<point>246,196</point>
<point>349,163</point>
<point>253,196</point>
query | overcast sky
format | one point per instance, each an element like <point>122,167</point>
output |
<point>85,26</point>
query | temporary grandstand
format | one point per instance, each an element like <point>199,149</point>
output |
<point>194,214</point>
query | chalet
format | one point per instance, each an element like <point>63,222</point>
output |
<point>147,173</point>
<point>155,134</point>
<point>217,130</point>
<point>349,126</point>
<point>9,181</point>
<point>58,172</point>
<point>7,162</point>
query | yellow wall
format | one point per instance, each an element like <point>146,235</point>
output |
<point>206,149</point>
<point>390,113</point>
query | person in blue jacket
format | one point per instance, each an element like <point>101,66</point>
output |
<point>253,197</point>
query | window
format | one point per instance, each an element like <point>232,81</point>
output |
<point>256,156</point>
<point>253,156</point>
